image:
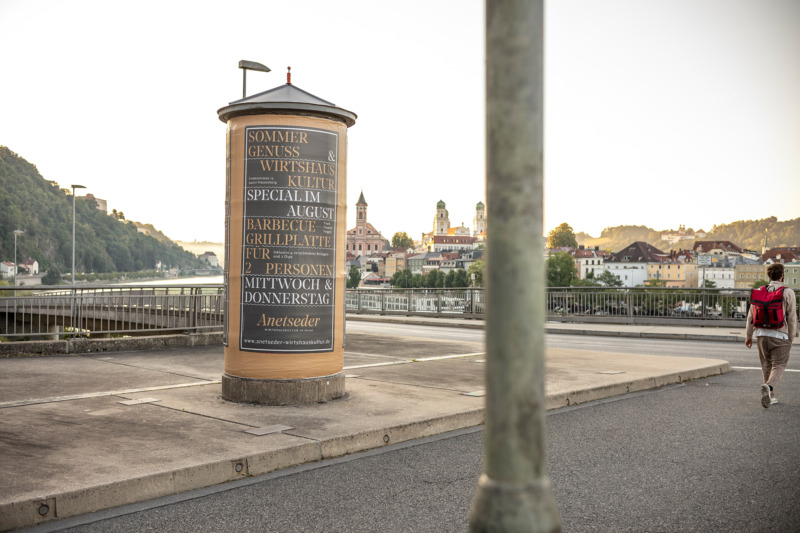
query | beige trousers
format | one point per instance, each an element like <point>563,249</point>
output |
<point>774,355</point>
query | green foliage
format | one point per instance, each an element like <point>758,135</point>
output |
<point>560,270</point>
<point>710,284</point>
<point>402,279</point>
<point>53,276</point>
<point>562,236</point>
<point>584,283</point>
<point>760,283</point>
<point>353,278</point>
<point>609,279</point>
<point>477,268</point>
<point>750,234</point>
<point>402,240</point>
<point>103,243</point>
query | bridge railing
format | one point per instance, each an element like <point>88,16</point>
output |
<point>100,310</point>
<point>667,306</point>
<point>55,312</point>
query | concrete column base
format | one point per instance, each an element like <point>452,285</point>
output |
<point>283,391</point>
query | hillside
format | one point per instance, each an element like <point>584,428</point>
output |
<point>748,234</point>
<point>199,248</point>
<point>43,211</point>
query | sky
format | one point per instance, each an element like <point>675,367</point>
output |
<point>657,113</point>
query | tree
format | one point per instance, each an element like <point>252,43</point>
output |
<point>476,269</point>
<point>560,270</point>
<point>759,283</point>
<point>562,236</point>
<point>709,284</point>
<point>402,279</point>
<point>434,279</point>
<point>462,278</point>
<point>609,279</point>
<point>354,278</point>
<point>402,240</point>
<point>53,276</point>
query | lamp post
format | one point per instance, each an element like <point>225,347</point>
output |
<point>250,65</point>
<point>72,279</point>
<point>16,263</point>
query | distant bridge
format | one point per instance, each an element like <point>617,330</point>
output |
<point>46,312</point>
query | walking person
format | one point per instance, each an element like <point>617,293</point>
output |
<point>774,327</point>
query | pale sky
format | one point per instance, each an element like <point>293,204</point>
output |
<point>657,113</point>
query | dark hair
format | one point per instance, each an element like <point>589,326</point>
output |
<point>775,271</point>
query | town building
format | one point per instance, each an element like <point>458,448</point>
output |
<point>722,276</point>
<point>672,273</point>
<point>748,272</point>
<point>783,254</point>
<point>210,258</point>
<point>630,263</point>
<point>31,266</point>
<point>442,228</point>
<point>791,275</point>
<point>101,204</point>
<point>444,243</point>
<point>396,262</point>
<point>724,248</point>
<point>479,222</point>
<point>588,263</point>
<point>365,239</point>
<point>7,269</point>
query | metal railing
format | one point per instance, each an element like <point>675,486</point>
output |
<point>464,303</point>
<point>713,307</point>
<point>53,312</point>
<point>44,312</point>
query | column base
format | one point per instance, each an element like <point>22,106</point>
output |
<point>283,391</point>
<point>499,506</point>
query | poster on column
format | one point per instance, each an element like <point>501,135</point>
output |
<point>289,239</point>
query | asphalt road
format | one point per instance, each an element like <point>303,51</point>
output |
<point>704,456</point>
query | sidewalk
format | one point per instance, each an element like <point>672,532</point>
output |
<point>83,433</point>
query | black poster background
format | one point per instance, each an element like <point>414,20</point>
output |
<point>289,239</point>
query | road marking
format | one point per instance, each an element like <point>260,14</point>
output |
<point>439,358</point>
<point>369,354</point>
<point>759,368</point>
<point>390,363</point>
<point>420,360</point>
<point>37,401</point>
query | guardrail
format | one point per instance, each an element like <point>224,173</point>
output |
<point>712,307</point>
<point>53,312</point>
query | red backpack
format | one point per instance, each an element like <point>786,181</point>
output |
<point>767,308</point>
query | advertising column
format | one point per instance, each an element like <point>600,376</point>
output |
<point>285,250</point>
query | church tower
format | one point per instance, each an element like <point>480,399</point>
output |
<point>442,221</point>
<point>479,222</point>
<point>361,214</point>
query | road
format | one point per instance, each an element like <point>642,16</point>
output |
<point>703,456</point>
<point>736,353</point>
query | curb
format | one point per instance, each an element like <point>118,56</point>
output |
<point>50,507</point>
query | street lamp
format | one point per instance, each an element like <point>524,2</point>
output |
<point>72,279</point>
<point>16,263</point>
<point>250,65</point>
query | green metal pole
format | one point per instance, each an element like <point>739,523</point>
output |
<point>514,493</point>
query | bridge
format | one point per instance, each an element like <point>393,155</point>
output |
<point>52,312</point>
<point>55,312</point>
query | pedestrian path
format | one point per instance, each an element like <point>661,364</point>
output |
<point>82,433</point>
